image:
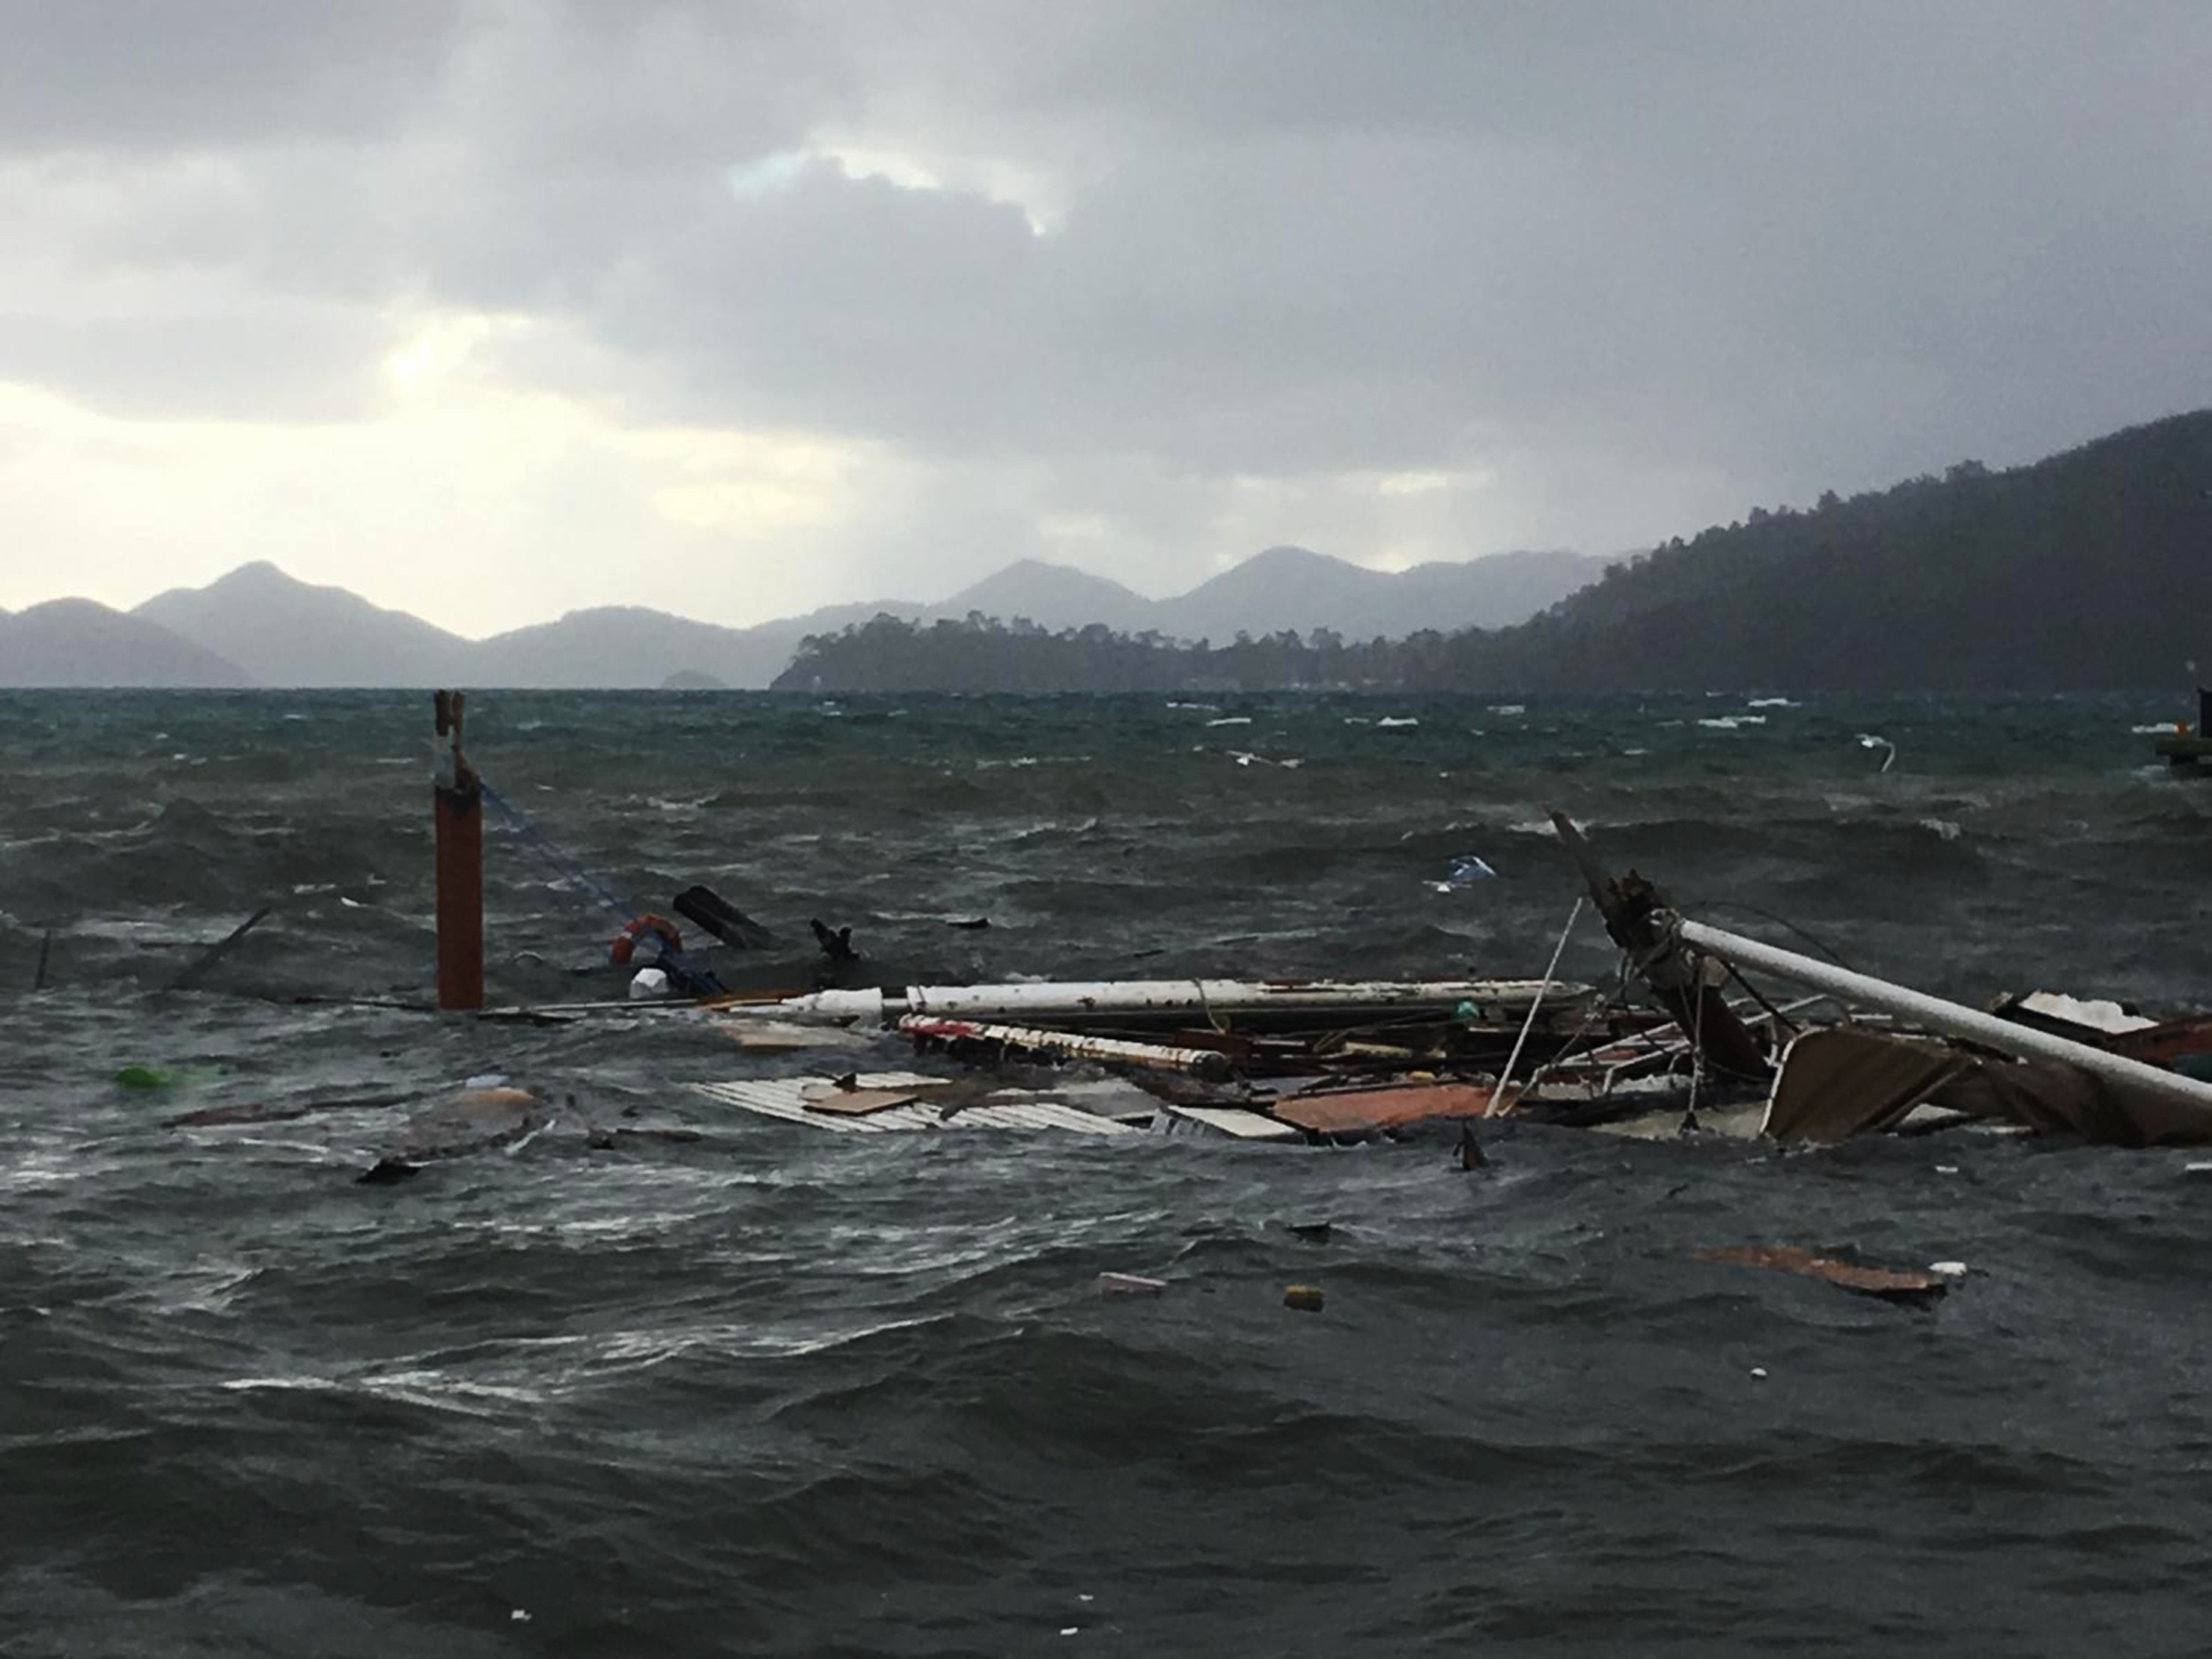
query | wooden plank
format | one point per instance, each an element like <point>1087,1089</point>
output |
<point>2187,1038</point>
<point>1367,1110</point>
<point>1887,1282</point>
<point>858,1102</point>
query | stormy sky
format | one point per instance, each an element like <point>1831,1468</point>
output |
<point>492,308</point>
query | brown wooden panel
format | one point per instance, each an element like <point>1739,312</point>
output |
<point>1361,1110</point>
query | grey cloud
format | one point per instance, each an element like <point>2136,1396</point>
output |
<point>104,75</point>
<point>1726,215</point>
<point>276,361</point>
<point>1719,247</point>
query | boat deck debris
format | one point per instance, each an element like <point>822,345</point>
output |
<point>1704,1049</point>
<point>1686,1042</point>
<point>883,1101</point>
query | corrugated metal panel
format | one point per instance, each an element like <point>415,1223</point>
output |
<point>781,1098</point>
<point>860,1103</point>
<point>1235,1121</point>
<point>786,1098</point>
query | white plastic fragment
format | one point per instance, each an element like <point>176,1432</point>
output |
<point>2199,1168</point>
<point>2098,1013</point>
<point>519,1616</point>
<point>648,983</point>
<point>1947,1169</point>
<point>1759,1372</point>
<point>1947,1269</point>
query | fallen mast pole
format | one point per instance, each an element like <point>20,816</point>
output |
<point>1066,1045</point>
<point>1951,1018</point>
<point>1199,1000</point>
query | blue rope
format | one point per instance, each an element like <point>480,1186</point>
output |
<point>567,868</point>
<point>687,976</point>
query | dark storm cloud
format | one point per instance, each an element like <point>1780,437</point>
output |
<point>1305,237</point>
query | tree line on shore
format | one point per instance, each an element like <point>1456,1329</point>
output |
<point>2087,570</point>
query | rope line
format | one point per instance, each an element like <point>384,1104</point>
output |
<point>1616,998</point>
<point>685,974</point>
<point>518,823</point>
<point>1530,1024</point>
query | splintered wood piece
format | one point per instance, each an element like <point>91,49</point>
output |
<point>856,1095</point>
<point>1359,1110</point>
<point>858,1102</point>
<point>1889,1284</point>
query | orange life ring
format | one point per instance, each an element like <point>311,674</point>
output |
<point>625,942</point>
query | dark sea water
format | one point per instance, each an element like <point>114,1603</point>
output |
<point>777,1391</point>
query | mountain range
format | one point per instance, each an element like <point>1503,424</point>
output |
<point>2082,572</point>
<point>259,626</point>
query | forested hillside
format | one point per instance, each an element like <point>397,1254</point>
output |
<point>2091,569</point>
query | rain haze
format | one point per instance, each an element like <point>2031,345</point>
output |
<point>488,311</point>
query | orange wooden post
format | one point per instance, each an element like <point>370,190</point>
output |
<point>457,808</point>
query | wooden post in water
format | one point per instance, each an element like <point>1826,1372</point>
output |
<point>457,805</point>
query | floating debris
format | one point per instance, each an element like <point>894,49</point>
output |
<point>1888,1283</point>
<point>1130,1285</point>
<point>476,1121</point>
<point>1364,1111</point>
<point>799,1100</point>
<point>930,1031</point>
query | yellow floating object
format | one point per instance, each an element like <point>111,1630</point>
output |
<point>1306,1298</point>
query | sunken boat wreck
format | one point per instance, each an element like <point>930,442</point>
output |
<point>1686,1040</point>
<point>1702,1031</point>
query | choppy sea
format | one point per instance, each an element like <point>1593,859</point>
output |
<point>776,1391</point>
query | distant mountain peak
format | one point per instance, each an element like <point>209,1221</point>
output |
<point>258,576</point>
<point>260,622</point>
<point>284,631</point>
<point>1051,595</point>
<point>77,641</point>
